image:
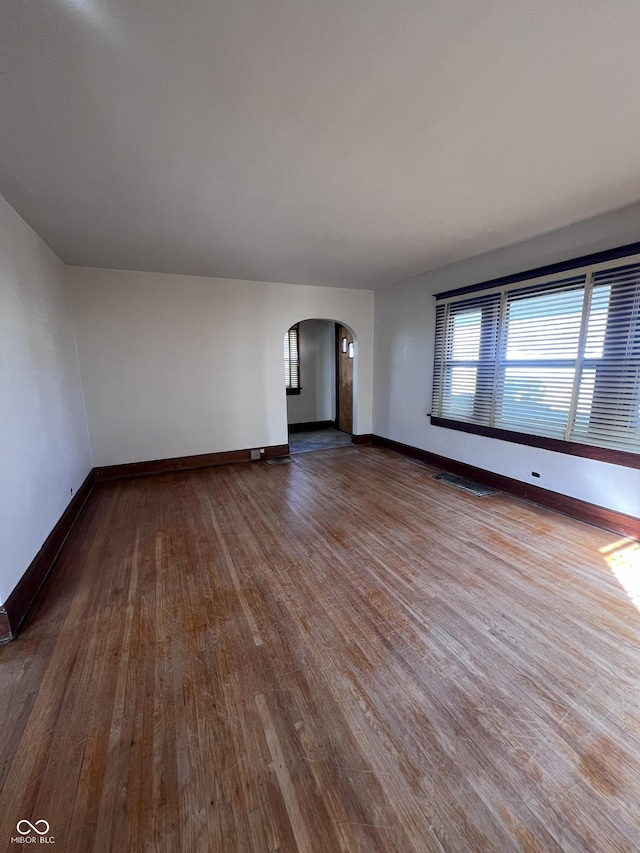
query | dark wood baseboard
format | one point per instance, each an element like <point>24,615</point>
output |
<point>365,438</point>
<point>183,463</point>
<point>608,519</point>
<point>311,425</point>
<point>276,450</point>
<point>22,599</point>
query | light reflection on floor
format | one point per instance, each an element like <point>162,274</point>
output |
<point>623,558</point>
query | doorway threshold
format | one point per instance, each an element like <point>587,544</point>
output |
<point>319,439</point>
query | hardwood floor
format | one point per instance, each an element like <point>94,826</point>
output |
<point>339,654</point>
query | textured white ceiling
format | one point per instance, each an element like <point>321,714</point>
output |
<point>340,142</point>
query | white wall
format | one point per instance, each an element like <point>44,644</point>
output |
<point>44,445</point>
<point>404,336</point>
<point>178,365</point>
<point>317,399</point>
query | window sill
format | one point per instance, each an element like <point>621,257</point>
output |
<point>587,451</point>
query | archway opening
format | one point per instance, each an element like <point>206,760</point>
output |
<point>320,358</point>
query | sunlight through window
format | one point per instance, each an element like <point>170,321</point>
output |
<point>623,558</point>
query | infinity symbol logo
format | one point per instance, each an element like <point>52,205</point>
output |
<point>32,827</point>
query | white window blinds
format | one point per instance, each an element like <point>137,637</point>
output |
<point>557,357</point>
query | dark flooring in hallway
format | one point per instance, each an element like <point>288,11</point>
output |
<point>319,439</point>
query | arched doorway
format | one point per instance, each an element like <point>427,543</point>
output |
<point>319,359</point>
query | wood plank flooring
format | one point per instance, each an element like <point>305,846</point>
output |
<point>339,654</point>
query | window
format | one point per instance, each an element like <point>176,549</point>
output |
<point>292,361</point>
<point>557,357</point>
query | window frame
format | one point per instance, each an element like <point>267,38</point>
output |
<point>588,266</point>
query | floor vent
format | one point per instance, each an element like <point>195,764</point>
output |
<point>279,460</point>
<point>465,485</point>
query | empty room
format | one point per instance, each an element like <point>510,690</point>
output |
<point>320,426</point>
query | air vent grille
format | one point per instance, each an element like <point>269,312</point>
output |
<point>465,485</point>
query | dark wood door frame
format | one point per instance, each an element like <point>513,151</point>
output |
<point>337,377</point>
<point>338,353</point>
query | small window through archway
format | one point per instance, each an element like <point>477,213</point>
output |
<point>292,361</point>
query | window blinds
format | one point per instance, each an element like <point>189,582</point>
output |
<point>291,359</point>
<point>558,357</point>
